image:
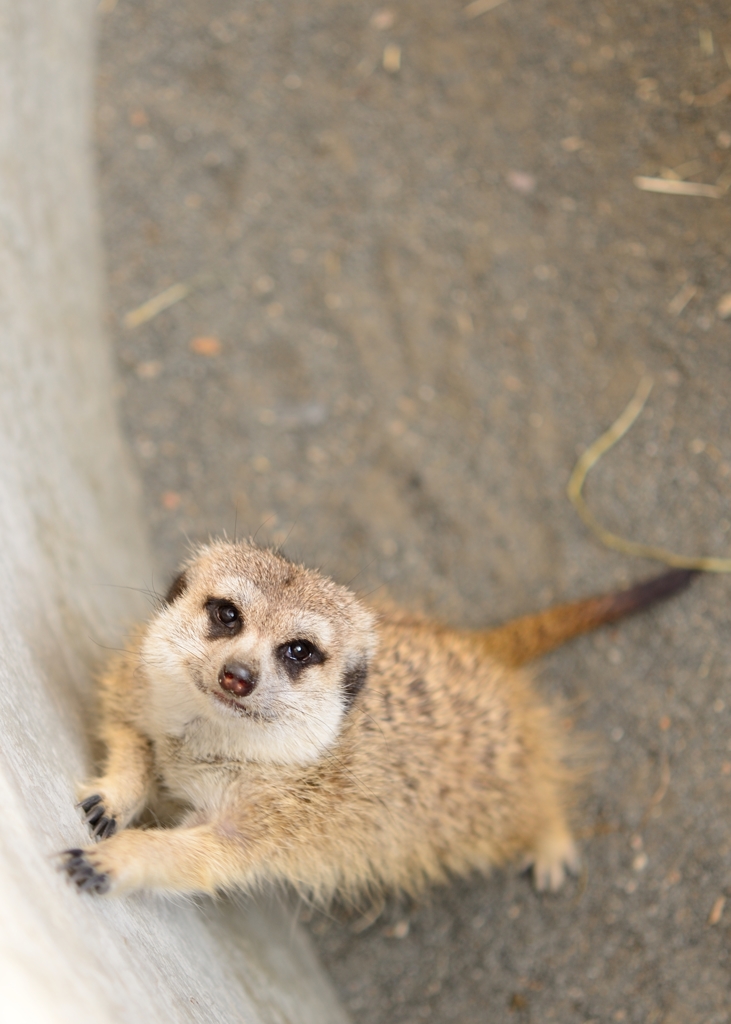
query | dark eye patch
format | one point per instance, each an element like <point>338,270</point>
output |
<point>224,618</point>
<point>296,655</point>
<point>353,682</point>
<point>177,588</point>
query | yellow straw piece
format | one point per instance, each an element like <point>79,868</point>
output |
<point>156,305</point>
<point>679,188</point>
<point>478,7</point>
<point>628,547</point>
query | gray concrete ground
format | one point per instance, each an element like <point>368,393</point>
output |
<point>417,294</point>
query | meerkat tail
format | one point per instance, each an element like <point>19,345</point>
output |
<point>526,638</point>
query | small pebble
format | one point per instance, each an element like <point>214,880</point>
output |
<point>383,19</point>
<point>171,500</point>
<point>392,58</point>
<point>264,285</point>
<point>572,144</point>
<point>521,181</point>
<point>206,346</point>
<point>640,862</point>
<point>148,370</point>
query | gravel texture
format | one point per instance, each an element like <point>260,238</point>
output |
<point>415,295</point>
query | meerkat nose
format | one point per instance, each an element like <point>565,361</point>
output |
<point>237,679</point>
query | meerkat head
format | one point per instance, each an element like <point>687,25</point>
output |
<point>271,652</point>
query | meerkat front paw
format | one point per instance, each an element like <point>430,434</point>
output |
<point>109,804</point>
<point>103,868</point>
<point>101,822</point>
<point>84,870</point>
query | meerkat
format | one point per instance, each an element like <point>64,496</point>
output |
<point>316,742</point>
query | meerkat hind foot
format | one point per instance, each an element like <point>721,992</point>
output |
<point>552,860</point>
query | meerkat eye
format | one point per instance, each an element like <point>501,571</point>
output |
<point>298,653</point>
<point>224,616</point>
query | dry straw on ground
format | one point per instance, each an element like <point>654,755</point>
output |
<point>611,540</point>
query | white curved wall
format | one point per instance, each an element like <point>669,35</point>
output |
<point>69,528</point>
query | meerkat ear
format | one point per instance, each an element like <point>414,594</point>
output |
<point>176,588</point>
<point>354,680</point>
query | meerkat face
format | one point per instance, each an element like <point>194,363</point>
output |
<point>270,652</point>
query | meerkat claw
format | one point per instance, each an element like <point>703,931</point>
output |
<point>84,875</point>
<point>105,828</point>
<point>90,803</point>
<point>101,824</point>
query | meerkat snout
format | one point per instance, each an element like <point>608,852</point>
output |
<point>238,679</point>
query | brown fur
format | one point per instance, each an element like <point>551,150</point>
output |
<point>444,761</point>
